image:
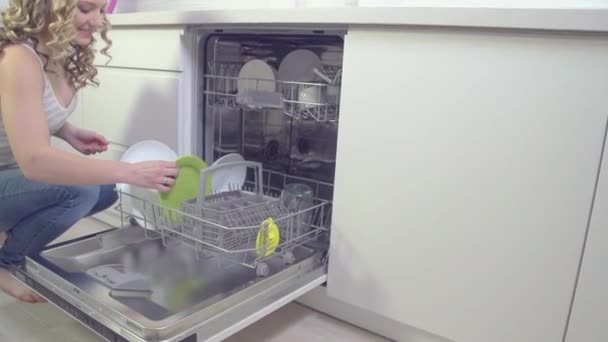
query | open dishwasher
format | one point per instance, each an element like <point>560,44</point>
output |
<point>214,264</point>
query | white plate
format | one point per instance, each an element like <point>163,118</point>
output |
<point>143,151</point>
<point>148,150</point>
<point>298,66</point>
<point>257,75</point>
<point>230,177</point>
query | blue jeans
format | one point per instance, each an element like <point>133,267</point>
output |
<point>35,213</point>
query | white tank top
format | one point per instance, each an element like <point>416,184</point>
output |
<point>56,114</point>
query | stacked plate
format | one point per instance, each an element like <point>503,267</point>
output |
<point>143,151</point>
<point>230,177</point>
<point>225,179</point>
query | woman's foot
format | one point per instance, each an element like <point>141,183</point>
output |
<point>3,238</point>
<point>13,287</point>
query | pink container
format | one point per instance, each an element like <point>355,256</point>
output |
<point>111,6</point>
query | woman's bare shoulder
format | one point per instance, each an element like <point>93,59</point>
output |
<point>18,62</point>
<point>17,53</point>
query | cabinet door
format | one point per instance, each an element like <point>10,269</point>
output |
<point>138,96</point>
<point>144,47</point>
<point>111,216</point>
<point>588,318</point>
<point>133,105</point>
<point>466,168</point>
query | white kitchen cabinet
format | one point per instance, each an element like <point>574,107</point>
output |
<point>138,97</point>
<point>139,93</point>
<point>144,47</point>
<point>466,170</point>
<point>588,317</point>
<point>132,105</point>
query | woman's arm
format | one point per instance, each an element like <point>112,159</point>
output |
<point>65,131</point>
<point>21,87</point>
<point>82,140</point>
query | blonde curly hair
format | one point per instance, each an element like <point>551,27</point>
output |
<point>25,20</point>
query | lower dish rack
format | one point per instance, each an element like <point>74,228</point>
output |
<point>245,224</point>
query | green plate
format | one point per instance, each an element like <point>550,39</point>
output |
<point>186,185</point>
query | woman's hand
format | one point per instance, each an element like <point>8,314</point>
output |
<point>84,141</point>
<point>159,175</point>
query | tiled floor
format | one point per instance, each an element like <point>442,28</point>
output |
<point>44,322</point>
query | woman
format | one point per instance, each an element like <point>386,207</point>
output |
<point>46,56</point>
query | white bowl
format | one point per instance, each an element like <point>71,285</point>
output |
<point>313,96</point>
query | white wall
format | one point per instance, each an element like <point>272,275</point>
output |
<point>176,5</point>
<point>164,5</point>
<point>488,3</point>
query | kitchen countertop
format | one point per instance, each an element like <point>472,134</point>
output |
<point>572,18</point>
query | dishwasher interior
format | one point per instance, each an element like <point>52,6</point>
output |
<point>290,122</point>
<point>176,274</point>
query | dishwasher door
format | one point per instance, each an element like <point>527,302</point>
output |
<point>126,286</point>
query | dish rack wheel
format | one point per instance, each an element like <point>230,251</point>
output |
<point>262,270</point>
<point>289,258</point>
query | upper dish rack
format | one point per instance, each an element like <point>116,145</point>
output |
<point>246,224</point>
<point>321,103</point>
